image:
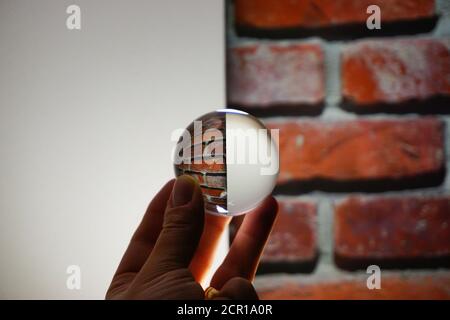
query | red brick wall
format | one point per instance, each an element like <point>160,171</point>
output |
<point>364,142</point>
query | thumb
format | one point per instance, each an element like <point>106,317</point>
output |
<point>181,231</point>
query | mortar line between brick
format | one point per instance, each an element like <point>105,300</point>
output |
<point>325,232</point>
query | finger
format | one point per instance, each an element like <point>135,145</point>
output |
<point>145,236</point>
<point>206,251</point>
<point>181,231</point>
<point>237,289</point>
<point>243,257</point>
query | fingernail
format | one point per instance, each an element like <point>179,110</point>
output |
<point>211,293</point>
<point>183,190</point>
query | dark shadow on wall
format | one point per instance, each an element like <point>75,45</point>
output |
<point>351,264</point>
<point>436,105</point>
<point>280,110</point>
<point>379,185</point>
<point>266,267</point>
<point>342,32</point>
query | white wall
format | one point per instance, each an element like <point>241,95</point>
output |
<point>85,124</point>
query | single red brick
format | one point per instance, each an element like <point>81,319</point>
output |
<point>397,227</point>
<point>395,71</point>
<point>393,286</point>
<point>359,149</point>
<point>293,236</point>
<point>275,14</point>
<point>269,74</point>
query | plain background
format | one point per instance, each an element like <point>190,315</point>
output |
<point>85,124</point>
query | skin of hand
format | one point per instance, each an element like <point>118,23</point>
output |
<point>174,246</point>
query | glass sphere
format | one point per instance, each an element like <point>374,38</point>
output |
<point>233,156</point>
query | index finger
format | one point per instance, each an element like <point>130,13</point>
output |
<point>215,226</point>
<point>243,258</point>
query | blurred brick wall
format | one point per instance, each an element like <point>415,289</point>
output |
<point>364,142</point>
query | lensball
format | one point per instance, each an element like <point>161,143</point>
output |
<point>233,156</point>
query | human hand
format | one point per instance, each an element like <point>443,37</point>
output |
<point>174,245</point>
